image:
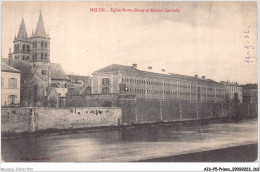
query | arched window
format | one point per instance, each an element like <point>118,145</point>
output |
<point>23,57</point>
<point>42,44</point>
<point>35,44</point>
<point>27,58</point>
<point>35,56</point>
<point>23,47</point>
<point>28,48</point>
<point>42,56</point>
<point>18,47</point>
<point>45,56</point>
<point>46,44</point>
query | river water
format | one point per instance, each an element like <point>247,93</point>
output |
<point>128,144</point>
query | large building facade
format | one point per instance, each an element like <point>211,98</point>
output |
<point>10,86</point>
<point>149,85</point>
<point>35,50</point>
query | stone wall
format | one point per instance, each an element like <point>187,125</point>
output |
<point>131,111</point>
<point>15,120</point>
<point>18,120</point>
<point>65,118</point>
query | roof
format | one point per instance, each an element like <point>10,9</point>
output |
<point>134,70</point>
<point>74,77</point>
<point>57,72</point>
<point>7,68</point>
<point>22,33</point>
<point>40,30</point>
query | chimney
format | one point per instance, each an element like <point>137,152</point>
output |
<point>163,70</point>
<point>150,67</point>
<point>134,65</point>
<point>196,76</point>
<point>203,77</point>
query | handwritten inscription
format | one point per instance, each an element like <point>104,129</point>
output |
<point>248,47</point>
<point>94,112</point>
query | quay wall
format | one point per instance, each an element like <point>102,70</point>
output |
<point>18,120</point>
<point>142,111</point>
<point>129,111</point>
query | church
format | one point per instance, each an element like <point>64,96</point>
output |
<point>34,50</point>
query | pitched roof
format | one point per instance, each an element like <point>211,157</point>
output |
<point>7,68</point>
<point>40,30</point>
<point>22,33</point>
<point>57,72</point>
<point>74,77</point>
<point>134,70</point>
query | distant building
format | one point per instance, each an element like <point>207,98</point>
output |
<point>250,96</point>
<point>151,85</point>
<point>58,97</point>
<point>79,84</point>
<point>230,89</point>
<point>10,85</point>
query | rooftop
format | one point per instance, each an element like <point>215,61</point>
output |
<point>57,72</point>
<point>135,70</point>
<point>7,68</point>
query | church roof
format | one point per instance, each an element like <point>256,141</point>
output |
<point>7,68</point>
<point>57,72</point>
<point>22,33</point>
<point>40,30</point>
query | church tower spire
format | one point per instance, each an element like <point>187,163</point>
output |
<point>40,30</point>
<point>22,33</point>
<point>21,44</point>
<point>40,42</point>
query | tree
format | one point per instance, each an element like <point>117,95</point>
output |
<point>28,85</point>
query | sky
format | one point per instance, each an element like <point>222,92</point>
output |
<point>204,38</point>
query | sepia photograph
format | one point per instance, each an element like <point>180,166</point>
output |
<point>121,81</point>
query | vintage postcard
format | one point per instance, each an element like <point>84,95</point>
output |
<point>125,81</point>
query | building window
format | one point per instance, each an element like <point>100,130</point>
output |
<point>23,47</point>
<point>12,83</point>
<point>44,72</point>
<point>42,44</point>
<point>23,57</point>
<point>28,48</point>
<point>12,99</point>
<point>45,56</point>
<point>105,82</point>
<point>46,44</point>
<point>105,90</point>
